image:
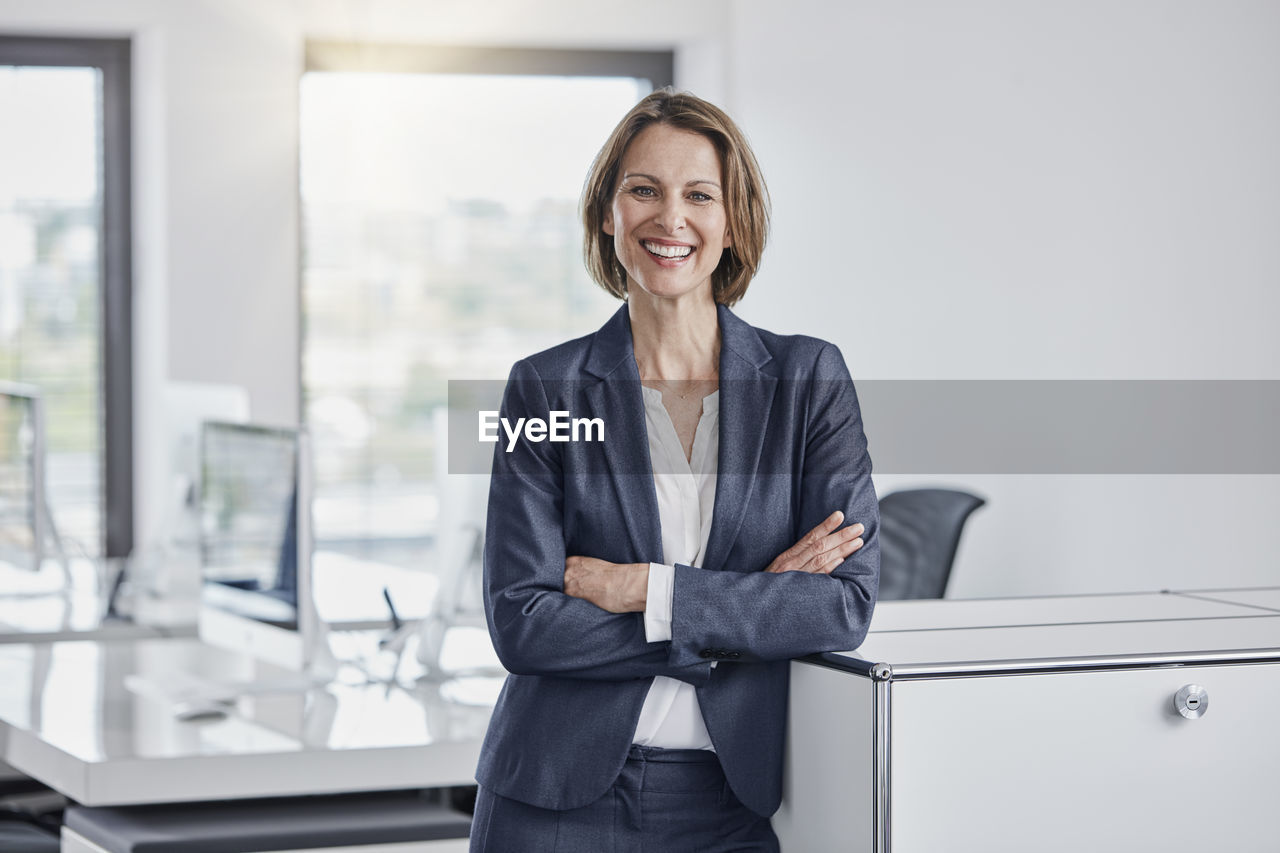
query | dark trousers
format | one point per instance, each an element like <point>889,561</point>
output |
<point>664,801</point>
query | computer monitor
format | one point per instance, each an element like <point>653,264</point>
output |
<point>187,405</point>
<point>256,543</point>
<point>22,485</point>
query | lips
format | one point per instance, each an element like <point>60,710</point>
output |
<point>667,251</point>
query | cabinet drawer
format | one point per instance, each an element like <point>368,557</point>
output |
<point>1087,761</point>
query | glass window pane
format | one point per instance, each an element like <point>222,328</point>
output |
<point>50,279</point>
<point>441,241</point>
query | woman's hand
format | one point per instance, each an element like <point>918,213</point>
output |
<point>821,549</point>
<point>616,587</point>
<point>624,587</point>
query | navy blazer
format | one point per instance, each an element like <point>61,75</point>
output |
<point>792,451</point>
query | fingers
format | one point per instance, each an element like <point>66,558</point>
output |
<point>837,555</point>
<point>842,537</point>
<point>831,549</point>
<point>825,527</point>
<point>813,544</point>
<point>822,548</point>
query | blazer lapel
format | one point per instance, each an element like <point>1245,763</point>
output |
<point>617,400</point>
<point>746,398</point>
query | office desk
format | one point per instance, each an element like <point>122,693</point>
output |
<point>47,606</point>
<point>67,719</point>
<point>76,615</point>
<point>1039,724</point>
<point>50,605</point>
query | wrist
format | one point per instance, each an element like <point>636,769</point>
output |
<point>638,587</point>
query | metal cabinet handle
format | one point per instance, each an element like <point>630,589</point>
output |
<point>1191,701</point>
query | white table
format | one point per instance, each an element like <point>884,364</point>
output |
<point>348,592</point>
<point>76,615</point>
<point>50,605</point>
<point>67,719</point>
<point>1263,598</point>
<point>1042,724</point>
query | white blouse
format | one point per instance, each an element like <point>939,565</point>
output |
<point>671,717</point>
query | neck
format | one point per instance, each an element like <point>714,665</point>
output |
<point>675,339</point>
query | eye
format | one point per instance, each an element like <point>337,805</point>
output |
<point>700,196</point>
<point>643,192</point>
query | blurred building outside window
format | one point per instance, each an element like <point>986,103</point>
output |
<point>58,160</point>
<point>441,241</point>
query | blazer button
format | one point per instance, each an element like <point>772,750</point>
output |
<point>707,653</point>
<point>733,654</point>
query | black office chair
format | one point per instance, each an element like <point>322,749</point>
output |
<point>919,533</point>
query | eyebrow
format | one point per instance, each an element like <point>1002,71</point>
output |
<point>630,175</point>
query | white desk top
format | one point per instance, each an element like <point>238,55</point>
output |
<point>67,719</point>
<point>348,591</point>
<point>50,617</point>
<point>52,605</point>
<point>39,608</point>
<point>1263,598</point>
<point>945,614</point>
<point>925,653</point>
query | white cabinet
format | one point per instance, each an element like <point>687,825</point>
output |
<point>1096,760</point>
<point>1054,735</point>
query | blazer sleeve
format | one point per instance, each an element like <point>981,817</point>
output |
<point>748,614</point>
<point>536,628</point>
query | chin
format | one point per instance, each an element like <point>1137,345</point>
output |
<point>672,290</point>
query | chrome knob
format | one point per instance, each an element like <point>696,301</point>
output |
<point>1191,701</point>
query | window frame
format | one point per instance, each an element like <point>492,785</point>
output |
<point>113,58</point>
<point>656,66</point>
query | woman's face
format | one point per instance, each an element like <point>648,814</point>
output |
<point>667,217</point>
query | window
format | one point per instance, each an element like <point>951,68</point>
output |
<point>441,241</point>
<point>65,272</point>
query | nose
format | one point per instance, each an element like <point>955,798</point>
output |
<point>671,215</point>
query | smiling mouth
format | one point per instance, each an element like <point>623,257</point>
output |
<point>667,253</point>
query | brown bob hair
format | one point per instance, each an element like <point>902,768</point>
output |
<point>746,197</point>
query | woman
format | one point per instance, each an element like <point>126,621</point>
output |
<point>646,592</point>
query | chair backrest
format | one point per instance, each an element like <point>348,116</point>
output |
<point>919,533</point>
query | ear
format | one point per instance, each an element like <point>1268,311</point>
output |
<point>728,237</point>
<point>607,224</point>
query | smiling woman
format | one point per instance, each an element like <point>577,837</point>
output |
<point>667,218</point>
<point>674,159</point>
<point>648,621</point>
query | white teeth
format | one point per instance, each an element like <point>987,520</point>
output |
<point>667,251</point>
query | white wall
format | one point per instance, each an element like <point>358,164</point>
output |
<point>1001,189</point>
